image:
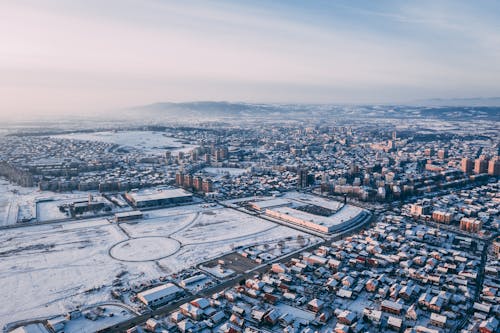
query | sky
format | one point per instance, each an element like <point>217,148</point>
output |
<point>92,56</point>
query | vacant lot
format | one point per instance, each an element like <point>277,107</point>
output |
<point>49,269</point>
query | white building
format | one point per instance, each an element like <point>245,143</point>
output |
<point>159,295</point>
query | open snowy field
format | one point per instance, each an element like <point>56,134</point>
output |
<point>49,210</point>
<point>5,202</point>
<point>17,202</point>
<point>49,269</point>
<point>147,141</point>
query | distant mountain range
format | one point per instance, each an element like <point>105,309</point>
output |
<point>475,101</point>
<point>208,110</point>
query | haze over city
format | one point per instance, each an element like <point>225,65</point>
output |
<point>249,166</point>
<point>61,57</point>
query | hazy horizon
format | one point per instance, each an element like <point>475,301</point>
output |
<point>91,57</point>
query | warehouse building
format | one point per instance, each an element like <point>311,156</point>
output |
<point>159,295</point>
<point>158,198</point>
<point>346,217</point>
<point>128,216</point>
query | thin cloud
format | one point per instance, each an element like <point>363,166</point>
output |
<point>80,55</point>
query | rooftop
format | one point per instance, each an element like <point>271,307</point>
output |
<point>346,213</point>
<point>159,194</point>
<point>160,291</point>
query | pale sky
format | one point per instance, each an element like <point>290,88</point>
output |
<point>96,55</point>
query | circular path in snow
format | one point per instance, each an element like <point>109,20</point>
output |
<point>144,249</point>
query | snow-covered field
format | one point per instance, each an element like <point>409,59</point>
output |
<point>207,233</point>
<point>17,201</point>
<point>46,270</point>
<point>147,141</point>
<point>49,269</point>
<point>113,315</point>
<point>144,249</point>
<point>49,211</point>
<point>13,199</point>
<point>5,202</point>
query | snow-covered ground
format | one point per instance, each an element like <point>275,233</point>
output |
<point>112,315</point>
<point>145,248</point>
<point>50,269</point>
<point>49,211</point>
<point>147,141</point>
<point>17,201</point>
<point>207,233</point>
<point>11,197</point>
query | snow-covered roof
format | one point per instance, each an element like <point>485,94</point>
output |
<point>159,195</point>
<point>159,292</point>
<point>32,328</point>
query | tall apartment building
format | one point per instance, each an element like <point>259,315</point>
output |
<point>481,165</point>
<point>442,217</point>
<point>494,166</point>
<point>466,165</point>
<point>179,179</point>
<point>470,224</point>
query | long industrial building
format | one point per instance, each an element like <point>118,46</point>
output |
<point>347,217</point>
<point>158,198</point>
<point>315,213</point>
<point>159,295</point>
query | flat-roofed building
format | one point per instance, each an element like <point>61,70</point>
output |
<point>159,295</point>
<point>442,217</point>
<point>494,166</point>
<point>481,165</point>
<point>496,246</point>
<point>128,216</point>
<point>31,328</point>
<point>272,203</point>
<point>470,224</point>
<point>346,217</point>
<point>420,209</point>
<point>158,198</point>
<point>466,165</point>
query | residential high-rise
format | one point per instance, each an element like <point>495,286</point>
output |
<point>442,154</point>
<point>207,186</point>
<point>188,181</point>
<point>303,178</point>
<point>466,165</point>
<point>179,179</point>
<point>198,183</point>
<point>470,224</point>
<point>494,166</point>
<point>481,165</point>
<point>442,217</point>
